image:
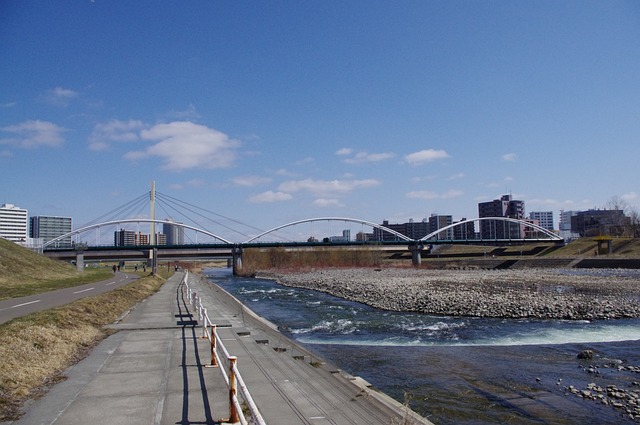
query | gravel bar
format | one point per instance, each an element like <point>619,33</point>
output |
<point>529,293</point>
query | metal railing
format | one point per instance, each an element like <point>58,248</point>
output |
<point>231,374</point>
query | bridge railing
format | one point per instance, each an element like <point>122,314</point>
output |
<point>231,374</point>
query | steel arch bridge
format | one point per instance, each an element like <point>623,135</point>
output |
<point>551,236</point>
<point>340,219</point>
<point>431,237</point>
<point>136,221</point>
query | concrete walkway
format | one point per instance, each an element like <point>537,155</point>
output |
<point>154,371</point>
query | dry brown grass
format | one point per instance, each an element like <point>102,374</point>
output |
<point>37,348</point>
<point>254,259</point>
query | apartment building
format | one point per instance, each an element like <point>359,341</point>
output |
<point>13,223</point>
<point>46,228</point>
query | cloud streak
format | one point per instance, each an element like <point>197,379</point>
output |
<point>326,187</point>
<point>114,131</point>
<point>425,155</point>
<point>269,197</point>
<point>34,133</point>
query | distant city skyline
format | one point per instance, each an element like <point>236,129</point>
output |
<point>271,113</point>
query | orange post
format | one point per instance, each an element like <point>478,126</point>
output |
<point>233,413</point>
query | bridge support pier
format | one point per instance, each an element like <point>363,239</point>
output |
<point>152,261</point>
<point>237,259</point>
<point>416,254</point>
<point>80,261</point>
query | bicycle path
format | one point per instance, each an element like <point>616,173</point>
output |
<point>155,370</point>
<point>17,307</point>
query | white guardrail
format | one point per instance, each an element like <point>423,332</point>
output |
<point>231,374</point>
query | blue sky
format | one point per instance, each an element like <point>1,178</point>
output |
<point>271,112</point>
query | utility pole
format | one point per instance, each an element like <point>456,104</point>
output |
<point>152,232</point>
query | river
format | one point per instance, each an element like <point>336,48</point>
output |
<point>458,370</point>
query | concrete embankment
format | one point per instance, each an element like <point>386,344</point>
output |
<point>521,293</point>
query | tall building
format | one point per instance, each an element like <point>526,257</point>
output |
<point>464,231</point>
<point>124,237</point>
<point>438,222</point>
<point>174,234</point>
<point>47,228</point>
<point>13,223</point>
<point>544,218</point>
<point>565,225</point>
<point>505,207</point>
<point>412,229</point>
<point>599,222</point>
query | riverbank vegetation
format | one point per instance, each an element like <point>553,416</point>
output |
<point>281,258</point>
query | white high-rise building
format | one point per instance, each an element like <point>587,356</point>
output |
<point>545,218</point>
<point>13,223</point>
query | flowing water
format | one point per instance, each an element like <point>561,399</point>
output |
<point>457,370</point>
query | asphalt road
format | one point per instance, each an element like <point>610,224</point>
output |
<point>17,307</point>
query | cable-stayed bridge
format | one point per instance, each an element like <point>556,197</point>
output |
<point>189,232</point>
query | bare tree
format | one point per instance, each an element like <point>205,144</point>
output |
<point>629,220</point>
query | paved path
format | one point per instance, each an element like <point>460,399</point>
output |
<point>16,307</point>
<point>153,371</point>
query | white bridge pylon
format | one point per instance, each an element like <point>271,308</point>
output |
<point>550,234</point>
<point>341,219</point>
<point>134,220</point>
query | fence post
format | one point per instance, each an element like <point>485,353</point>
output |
<point>214,362</point>
<point>233,414</point>
<point>204,324</point>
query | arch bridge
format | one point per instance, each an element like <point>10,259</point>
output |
<point>498,229</point>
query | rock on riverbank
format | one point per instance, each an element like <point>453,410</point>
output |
<point>530,293</point>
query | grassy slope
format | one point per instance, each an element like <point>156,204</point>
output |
<point>37,348</point>
<point>24,272</point>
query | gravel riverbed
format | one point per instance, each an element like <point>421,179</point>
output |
<point>527,293</point>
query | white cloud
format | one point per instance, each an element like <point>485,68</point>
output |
<point>188,114</point>
<point>426,155</point>
<point>630,196</point>
<point>453,193</point>
<point>184,145</point>
<point>321,187</point>
<point>284,172</point>
<point>509,157</point>
<point>34,133</point>
<point>457,176</point>
<point>428,194</point>
<point>114,131</point>
<point>250,181</point>
<point>305,161</point>
<point>60,96</point>
<point>270,196</point>
<point>344,151</point>
<point>422,194</point>
<point>361,157</point>
<point>326,203</point>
